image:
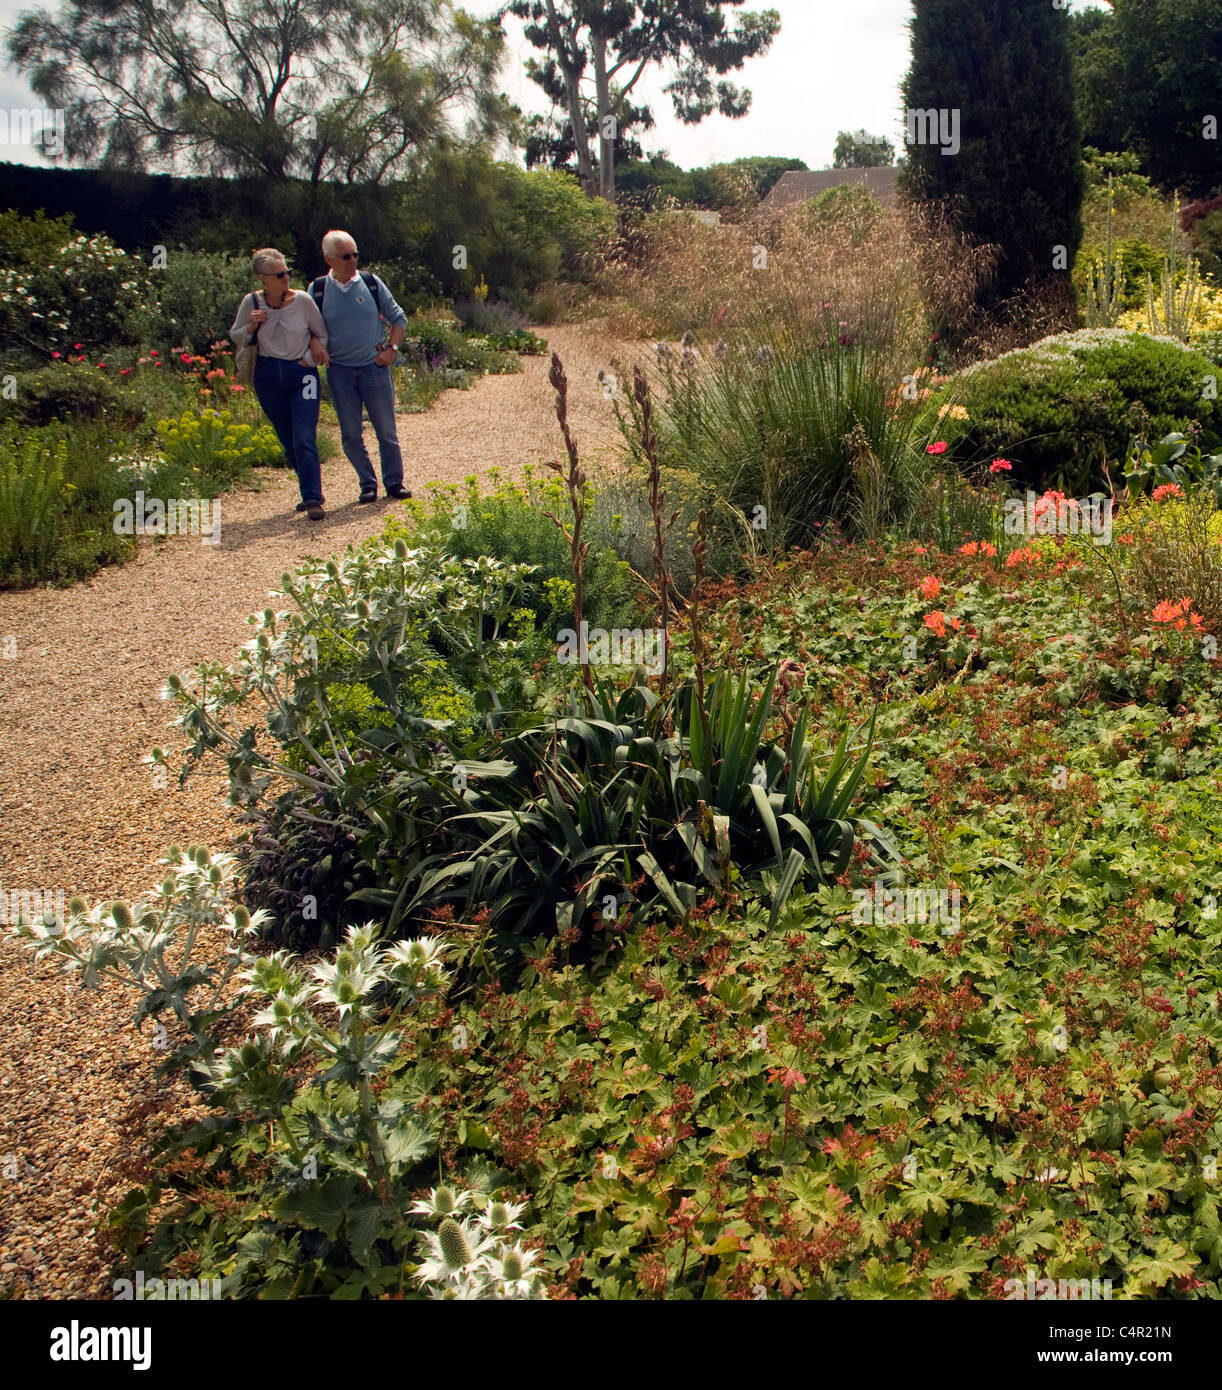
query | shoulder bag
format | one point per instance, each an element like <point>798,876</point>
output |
<point>245,355</point>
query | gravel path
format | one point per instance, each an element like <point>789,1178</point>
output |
<point>79,708</point>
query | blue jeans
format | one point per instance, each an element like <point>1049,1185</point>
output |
<point>370,387</point>
<point>292,407</point>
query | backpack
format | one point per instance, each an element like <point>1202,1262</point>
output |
<point>371,284</point>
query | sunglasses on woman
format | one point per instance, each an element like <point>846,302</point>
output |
<point>273,275</point>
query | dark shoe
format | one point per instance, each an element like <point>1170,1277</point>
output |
<point>315,512</point>
<point>399,492</point>
<point>368,494</point>
<point>301,506</point>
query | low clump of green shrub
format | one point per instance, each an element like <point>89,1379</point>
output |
<point>509,520</point>
<point>34,494</point>
<point>66,393</point>
<point>1061,409</point>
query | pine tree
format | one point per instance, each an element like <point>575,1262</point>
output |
<point>999,74</point>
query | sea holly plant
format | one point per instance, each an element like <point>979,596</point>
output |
<point>299,1180</point>
<point>151,946</point>
<point>378,617</point>
<point>476,1257</point>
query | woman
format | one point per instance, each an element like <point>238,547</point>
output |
<point>292,343</point>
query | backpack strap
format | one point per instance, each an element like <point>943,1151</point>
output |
<point>317,288</point>
<point>371,284</point>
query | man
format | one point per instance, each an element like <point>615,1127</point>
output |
<point>354,307</point>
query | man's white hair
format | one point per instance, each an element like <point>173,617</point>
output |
<point>335,241</point>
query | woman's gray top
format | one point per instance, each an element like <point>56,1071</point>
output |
<point>286,334</point>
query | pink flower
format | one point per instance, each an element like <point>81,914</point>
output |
<point>1166,490</point>
<point>55,354</point>
<point>938,448</point>
<point>237,388</point>
<point>186,357</point>
<point>1000,466</point>
<point>76,347</point>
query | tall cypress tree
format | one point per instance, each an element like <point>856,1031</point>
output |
<point>1016,178</point>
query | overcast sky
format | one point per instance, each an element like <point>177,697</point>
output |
<point>836,65</point>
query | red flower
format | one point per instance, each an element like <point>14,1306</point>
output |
<point>1000,466</point>
<point>55,354</point>
<point>123,371</point>
<point>938,448</point>
<point>186,357</point>
<point>154,353</point>
<point>1166,490</point>
<point>76,347</point>
<point>101,364</point>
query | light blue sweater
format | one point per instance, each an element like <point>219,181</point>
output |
<point>354,327</point>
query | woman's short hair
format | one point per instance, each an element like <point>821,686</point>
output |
<point>266,258</point>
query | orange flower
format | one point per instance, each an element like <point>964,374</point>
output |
<point>978,548</point>
<point>1016,557</point>
<point>930,586</point>
<point>1176,615</point>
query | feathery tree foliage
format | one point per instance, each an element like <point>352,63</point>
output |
<point>607,45</point>
<point>319,90</point>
